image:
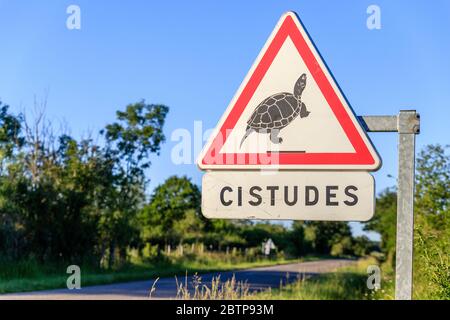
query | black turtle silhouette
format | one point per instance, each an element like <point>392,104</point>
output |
<point>277,111</point>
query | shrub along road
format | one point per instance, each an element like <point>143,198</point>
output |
<point>166,288</point>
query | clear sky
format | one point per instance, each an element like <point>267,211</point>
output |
<point>193,55</point>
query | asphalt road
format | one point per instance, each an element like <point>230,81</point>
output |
<point>165,288</point>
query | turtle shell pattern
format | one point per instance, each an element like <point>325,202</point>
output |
<point>275,112</point>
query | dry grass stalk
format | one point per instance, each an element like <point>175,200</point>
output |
<point>217,290</point>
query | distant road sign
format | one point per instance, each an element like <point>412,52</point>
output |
<point>289,113</point>
<point>296,195</point>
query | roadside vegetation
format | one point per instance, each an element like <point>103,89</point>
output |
<point>431,225</point>
<point>345,283</point>
<point>67,201</point>
<point>30,275</point>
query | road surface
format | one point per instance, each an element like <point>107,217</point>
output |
<point>165,288</point>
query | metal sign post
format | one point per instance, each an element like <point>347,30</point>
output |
<point>407,124</point>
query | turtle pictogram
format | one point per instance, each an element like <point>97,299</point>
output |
<point>277,111</point>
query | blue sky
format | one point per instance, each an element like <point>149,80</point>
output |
<point>193,55</point>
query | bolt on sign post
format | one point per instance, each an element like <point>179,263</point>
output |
<point>289,146</point>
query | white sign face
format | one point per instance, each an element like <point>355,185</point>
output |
<point>289,195</point>
<point>289,113</point>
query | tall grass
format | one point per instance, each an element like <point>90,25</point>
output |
<point>333,286</point>
<point>216,290</point>
<point>23,268</point>
<point>348,283</point>
<point>432,267</point>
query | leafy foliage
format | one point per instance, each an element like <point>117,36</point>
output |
<point>62,199</point>
<point>385,222</point>
<point>165,216</point>
<point>432,224</point>
<point>432,227</point>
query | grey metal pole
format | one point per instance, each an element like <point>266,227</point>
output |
<point>407,124</point>
<point>408,127</point>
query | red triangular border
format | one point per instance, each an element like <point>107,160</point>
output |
<point>361,157</point>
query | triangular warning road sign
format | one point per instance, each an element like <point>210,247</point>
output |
<point>289,113</point>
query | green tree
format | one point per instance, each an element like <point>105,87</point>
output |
<point>45,190</point>
<point>63,199</point>
<point>432,223</point>
<point>189,229</point>
<point>432,226</point>
<point>129,143</point>
<point>299,244</point>
<point>168,204</point>
<point>362,246</point>
<point>222,233</point>
<point>256,233</point>
<point>11,140</point>
<point>384,222</point>
<point>324,234</point>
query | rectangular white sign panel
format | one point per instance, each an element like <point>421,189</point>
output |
<point>289,195</point>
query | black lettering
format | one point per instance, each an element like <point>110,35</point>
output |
<point>309,202</point>
<point>351,195</point>
<point>286,197</point>
<point>222,200</point>
<point>330,195</point>
<point>239,196</point>
<point>255,195</point>
<point>272,190</point>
